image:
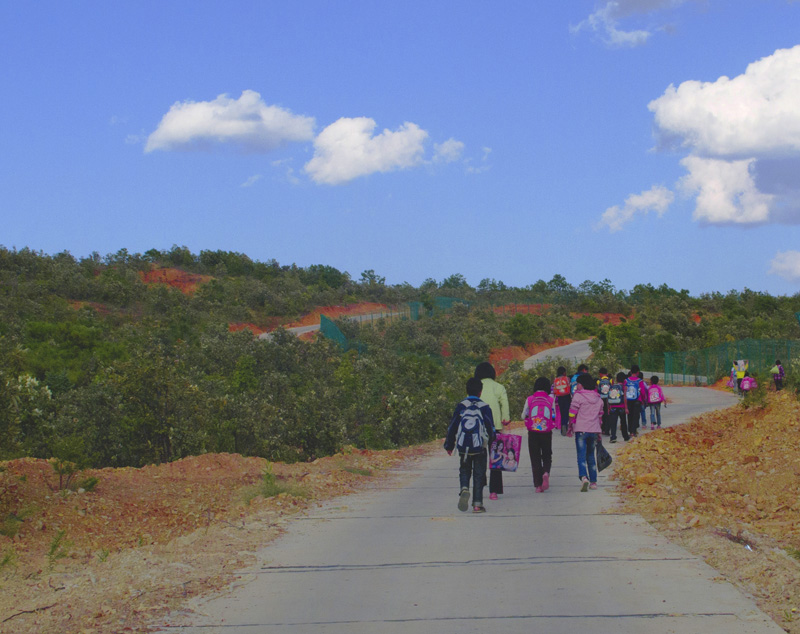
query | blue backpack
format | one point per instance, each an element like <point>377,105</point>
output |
<point>472,436</point>
<point>573,384</point>
<point>632,389</point>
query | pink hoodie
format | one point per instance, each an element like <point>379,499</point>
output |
<point>587,407</point>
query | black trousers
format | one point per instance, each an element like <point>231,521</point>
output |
<point>496,481</point>
<point>634,412</point>
<point>540,448</point>
<point>614,415</point>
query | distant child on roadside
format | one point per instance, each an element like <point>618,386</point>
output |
<point>470,432</point>
<point>618,408</point>
<point>585,416</point>
<point>778,374</point>
<point>541,418</point>
<point>562,392</point>
<point>635,391</point>
<point>748,383</point>
<point>655,396</point>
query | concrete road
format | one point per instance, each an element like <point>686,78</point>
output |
<point>577,351</point>
<point>402,558</point>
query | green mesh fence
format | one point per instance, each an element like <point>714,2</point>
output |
<point>708,365</point>
<point>331,331</point>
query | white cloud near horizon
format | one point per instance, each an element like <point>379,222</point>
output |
<point>347,149</point>
<point>743,135</point>
<point>658,199</point>
<point>786,264</point>
<point>246,123</point>
<point>606,20</point>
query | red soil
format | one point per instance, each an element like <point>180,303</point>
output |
<point>185,282</point>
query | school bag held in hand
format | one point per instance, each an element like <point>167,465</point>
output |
<point>561,385</point>
<point>542,415</point>
<point>603,459</point>
<point>472,436</point>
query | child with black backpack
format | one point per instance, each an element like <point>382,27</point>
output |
<point>618,408</point>
<point>470,432</point>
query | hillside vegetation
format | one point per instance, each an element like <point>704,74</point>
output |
<point>133,359</point>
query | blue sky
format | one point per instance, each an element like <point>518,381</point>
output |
<point>638,140</point>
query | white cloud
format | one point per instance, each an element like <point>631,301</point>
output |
<point>246,123</point>
<point>606,19</point>
<point>726,191</point>
<point>786,264</point>
<point>743,135</point>
<point>658,198</point>
<point>448,152</point>
<point>346,149</point>
<point>753,114</point>
<point>252,180</point>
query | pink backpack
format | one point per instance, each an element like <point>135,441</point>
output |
<point>542,414</point>
<point>654,394</point>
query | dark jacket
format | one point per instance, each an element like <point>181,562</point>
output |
<point>452,430</point>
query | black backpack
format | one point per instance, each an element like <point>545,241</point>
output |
<point>472,436</point>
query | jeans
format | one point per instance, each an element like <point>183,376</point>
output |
<point>655,414</point>
<point>587,462</point>
<point>473,465</point>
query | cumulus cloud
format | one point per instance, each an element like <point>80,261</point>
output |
<point>743,135</point>
<point>753,114</point>
<point>347,149</point>
<point>606,20</point>
<point>786,264</point>
<point>246,123</point>
<point>726,192</point>
<point>658,199</point>
<point>448,152</point>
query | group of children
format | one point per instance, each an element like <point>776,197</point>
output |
<point>580,405</point>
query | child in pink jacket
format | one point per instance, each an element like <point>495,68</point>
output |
<point>585,420</point>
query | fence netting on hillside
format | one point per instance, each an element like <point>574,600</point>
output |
<point>708,365</point>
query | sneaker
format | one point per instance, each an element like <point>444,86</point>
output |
<point>593,485</point>
<point>614,439</point>
<point>652,427</point>
<point>545,482</point>
<point>493,496</point>
<point>478,508</point>
<point>584,484</point>
<point>658,426</point>
<point>539,490</point>
<point>463,500</point>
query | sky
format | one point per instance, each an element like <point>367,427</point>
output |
<point>640,141</point>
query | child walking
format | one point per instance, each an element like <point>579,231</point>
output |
<point>655,396</point>
<point>541,418</point>
<point>496,397</point>
<point>585,416</point>
<point>635,393</point>
<point>561,390</point>
<point>778,374</point>
<point>471,431</point>
<point>618,408</point>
